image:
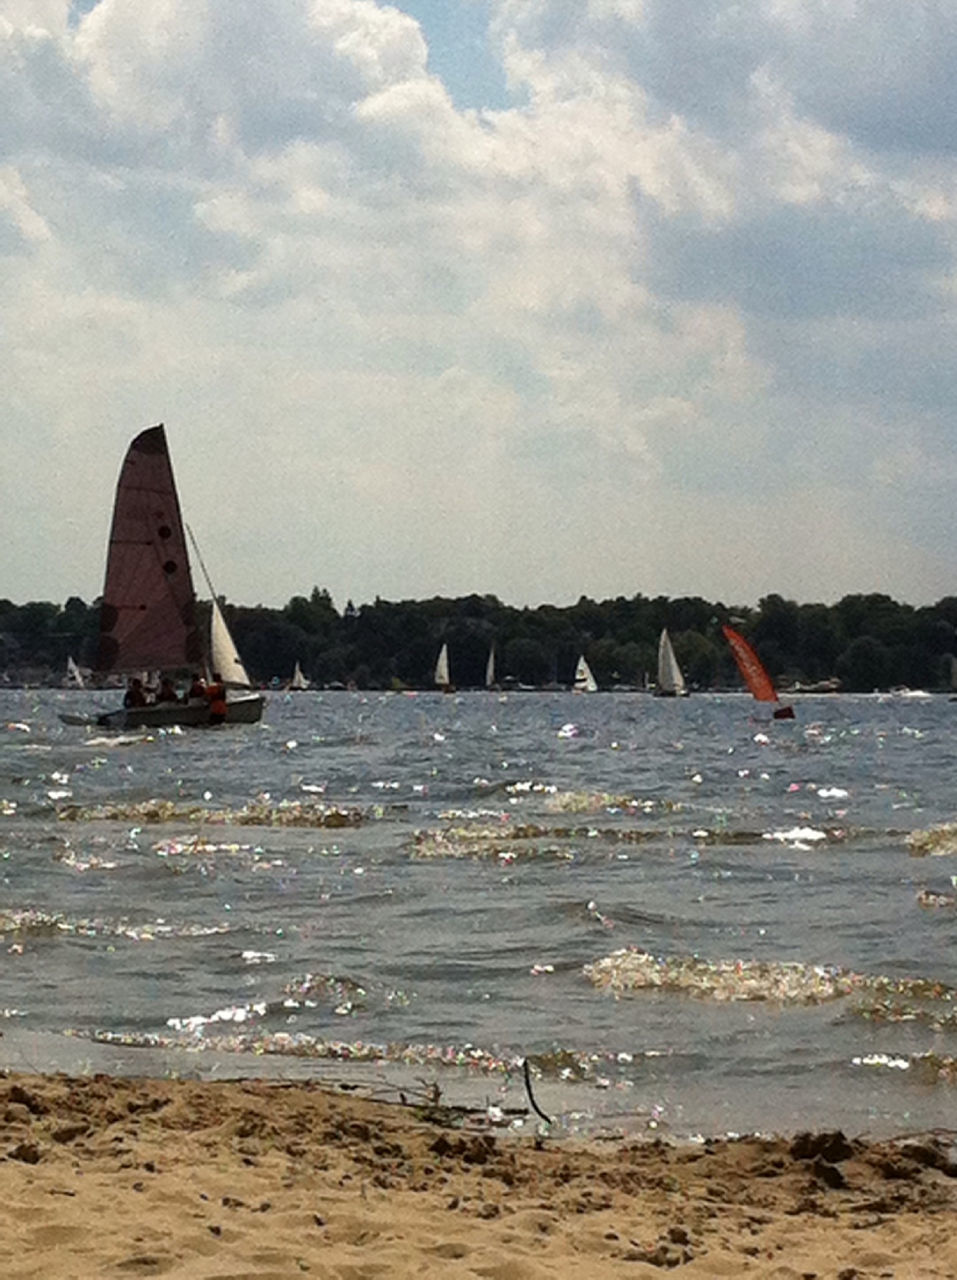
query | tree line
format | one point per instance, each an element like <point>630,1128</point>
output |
<point>865,642</point>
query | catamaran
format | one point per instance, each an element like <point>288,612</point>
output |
<point>671,683</point>
<point>148,613</point>
<point>754,674</point>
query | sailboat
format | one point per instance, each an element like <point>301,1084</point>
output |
<point>298,681</point>
<point>585,682</point>
<point>74,676</point>
<point>490,669</point>
<point>754,674</point>
<point>671,683</point>
<point>442,670</point>
<point>148,613</point>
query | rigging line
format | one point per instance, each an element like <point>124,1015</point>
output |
<point>202,563</point>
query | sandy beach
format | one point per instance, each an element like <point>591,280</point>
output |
<point>102,1176</point>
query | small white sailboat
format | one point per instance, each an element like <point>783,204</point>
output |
<point>671,683</point>
<point>74,676</point>
<point>298,681</point>
<point>585,682</point>
<point>490,669</point>
<point>148,613</point>
<point>442,679</point>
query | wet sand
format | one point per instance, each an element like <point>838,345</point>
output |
<point>101,1176</point>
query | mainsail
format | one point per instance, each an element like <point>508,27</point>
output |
<point>753,672</point>
<point>670,679</point>
<point>147,617</point>
<point>584,680</point>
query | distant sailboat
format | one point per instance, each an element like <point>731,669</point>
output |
<point>442,670</point>
<point>298,681</point>
<point>74,676</point>
<point>490,669</point>
<point>148,613</point>
<point>754,674</point>
<point>585,682</point>
<point>671,683</point>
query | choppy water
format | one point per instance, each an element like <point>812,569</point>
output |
<point>438,886</point>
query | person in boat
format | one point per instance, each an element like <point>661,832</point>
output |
<point>167,691</point>
<point>216,696</point>
<point>135,695</point>
<point>197,688</point>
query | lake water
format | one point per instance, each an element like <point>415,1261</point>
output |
<point>415,889</point>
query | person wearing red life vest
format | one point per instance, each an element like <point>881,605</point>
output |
<point>216,696</point>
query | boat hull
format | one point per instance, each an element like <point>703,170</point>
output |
<point>243,709</point>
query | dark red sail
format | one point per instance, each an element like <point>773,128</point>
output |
<point>147,618</point>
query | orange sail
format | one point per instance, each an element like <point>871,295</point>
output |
<point>751,668</point>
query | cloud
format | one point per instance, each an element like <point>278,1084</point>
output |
<point>685,288</point>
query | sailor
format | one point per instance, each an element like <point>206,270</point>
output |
<point>216,696</point>
<point>167,691</point>
<point>197,688</point>
<point>135,695</point>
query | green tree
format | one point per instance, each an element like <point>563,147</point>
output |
<point>864,665</point>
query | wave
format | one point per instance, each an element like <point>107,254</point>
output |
<point>259,813</point>
<point>33,922</point>
<point>938,841</point>
<point>567,1065</point>
<point>779,982</point>
<point>506,839</point>
<point>929,1068</point>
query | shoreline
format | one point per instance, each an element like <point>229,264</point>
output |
<point>254,1177</point>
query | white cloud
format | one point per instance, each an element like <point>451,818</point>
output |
<point>584,343</point>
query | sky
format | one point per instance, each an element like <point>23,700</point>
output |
<point>539,298</point>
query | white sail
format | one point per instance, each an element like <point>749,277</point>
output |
<point>584,680</point>
<point>490,668</point>
<point>74,676</point>
<point>670,680</point>
<point>298,680</point>
<point>442,668</point>
<point>223,653</point>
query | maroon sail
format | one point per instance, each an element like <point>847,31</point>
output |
<point>147,618</point>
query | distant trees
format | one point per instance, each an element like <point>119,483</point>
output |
<point>868,641</point>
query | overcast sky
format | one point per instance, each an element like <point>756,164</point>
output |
<point>534,297</point>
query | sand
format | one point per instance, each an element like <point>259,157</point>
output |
<point>101,1176</point>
